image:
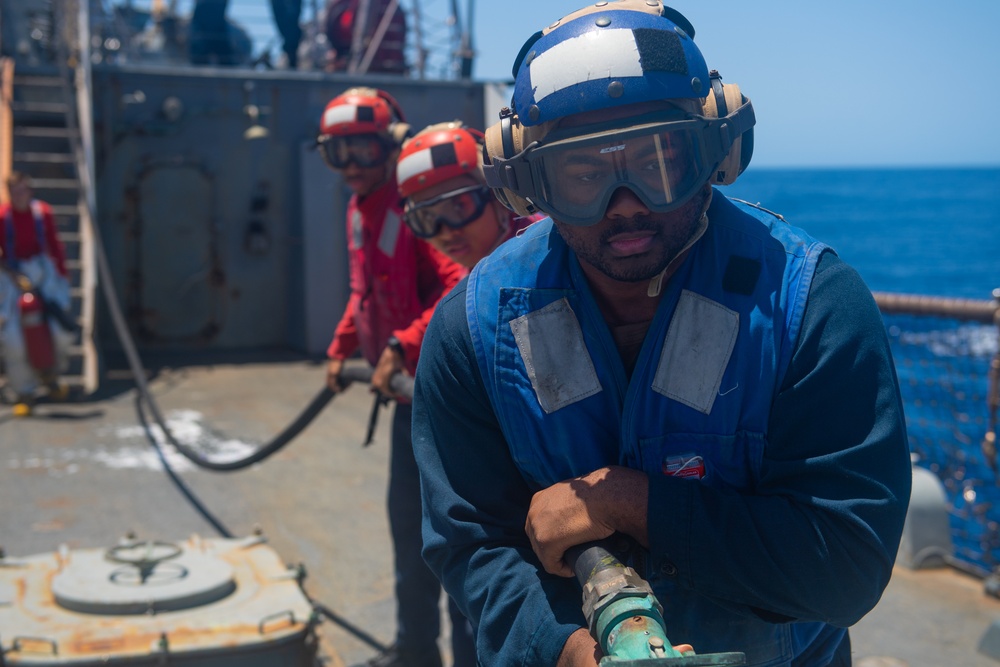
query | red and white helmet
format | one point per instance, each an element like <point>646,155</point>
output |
<point>438,153</point>
<point>364,111</point>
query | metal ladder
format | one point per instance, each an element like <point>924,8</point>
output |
<point>42,146</point>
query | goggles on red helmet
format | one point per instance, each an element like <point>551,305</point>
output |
<point>663,157</point>
<point>456,209</point>
<point>364,150</point>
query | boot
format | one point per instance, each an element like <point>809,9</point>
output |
<point>23,405</point>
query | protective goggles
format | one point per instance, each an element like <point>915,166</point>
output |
<point>364,150</point>
<point>456,209</point>
<point>664,158</point>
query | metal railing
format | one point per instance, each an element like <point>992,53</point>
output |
<point>437,40</point>
<point>947,357</point>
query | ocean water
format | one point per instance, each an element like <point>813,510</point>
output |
<point>914,231</point>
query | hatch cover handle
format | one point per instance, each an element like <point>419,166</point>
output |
<point>19,642</point>
<point>281,614</point>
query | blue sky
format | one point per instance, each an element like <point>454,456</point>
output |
<point>852,83</point>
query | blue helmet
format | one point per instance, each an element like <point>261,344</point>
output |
<point>608,55</point>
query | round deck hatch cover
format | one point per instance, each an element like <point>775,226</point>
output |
<point>140,578</point>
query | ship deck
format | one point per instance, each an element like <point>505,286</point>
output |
<point>84,473</point>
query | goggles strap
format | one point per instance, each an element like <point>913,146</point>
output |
<point>510,172</point>
<point>735,126</point>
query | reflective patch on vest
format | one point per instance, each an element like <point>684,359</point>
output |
<point>559,366</point>
<point>390,234</point>
<point>357,231</point>
<point>696,351</point>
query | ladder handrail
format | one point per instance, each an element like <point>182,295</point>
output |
<point>6,124</point>
<point>79,116</point>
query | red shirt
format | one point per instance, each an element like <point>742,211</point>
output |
<point>396,280</point>
<point>26,242</point>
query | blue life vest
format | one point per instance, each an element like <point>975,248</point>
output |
<point>697,403</point>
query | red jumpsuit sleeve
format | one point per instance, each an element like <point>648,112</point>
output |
<point>55,247</point>
<point>436,275</point>
<point>345,336</point>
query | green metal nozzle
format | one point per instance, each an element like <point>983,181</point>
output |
<point>625,617</point>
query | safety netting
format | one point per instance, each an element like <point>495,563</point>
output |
<point>948,361</point>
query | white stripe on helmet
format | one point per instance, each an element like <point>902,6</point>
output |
<point>602,54</point>
<point>413,165</point>
<point>342,113</point>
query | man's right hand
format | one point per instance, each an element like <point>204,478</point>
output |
<point>586,508</point>
<point>333,369</point>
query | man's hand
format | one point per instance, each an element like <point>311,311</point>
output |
<point>390,363</point>
<point>584,509</point>
<point>333,369</point>
<point>580,650</point>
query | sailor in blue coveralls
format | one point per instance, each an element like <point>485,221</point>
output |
<point>657,362</point>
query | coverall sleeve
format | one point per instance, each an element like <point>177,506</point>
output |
<point>52,243</point>
<point>817,539</point>
<point>345,337</point>
<point>475,504</point>
<point>436,276</point>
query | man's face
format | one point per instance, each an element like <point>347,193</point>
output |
<point>630,243</point>
<point>473,240</point>
<point>361,159</point>
<point>363,180</point>
<point>20,196</point>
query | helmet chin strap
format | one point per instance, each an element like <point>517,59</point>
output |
<point>656,282</point>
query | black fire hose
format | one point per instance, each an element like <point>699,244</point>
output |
<point>400,384</point>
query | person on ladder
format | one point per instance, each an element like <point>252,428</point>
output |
<point>33,283</point>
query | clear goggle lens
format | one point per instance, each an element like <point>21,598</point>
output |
<point>456,209</point>
<point>364,150</point>
<point>662,163</point>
